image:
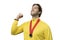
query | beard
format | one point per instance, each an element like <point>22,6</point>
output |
<point>34,14</point>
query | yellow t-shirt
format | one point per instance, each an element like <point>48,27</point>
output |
<point>41,32</point>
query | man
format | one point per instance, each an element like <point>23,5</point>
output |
<point>35,29</point>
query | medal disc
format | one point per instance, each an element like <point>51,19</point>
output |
<point>30,35</point>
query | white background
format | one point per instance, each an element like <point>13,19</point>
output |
<point>10,8</point>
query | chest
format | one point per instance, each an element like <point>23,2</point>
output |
<point>37,30</point>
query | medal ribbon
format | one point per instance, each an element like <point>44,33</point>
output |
<point>32,29</point>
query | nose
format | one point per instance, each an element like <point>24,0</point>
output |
<point>32,9</point>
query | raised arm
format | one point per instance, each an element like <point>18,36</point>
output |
<point>15,28</point>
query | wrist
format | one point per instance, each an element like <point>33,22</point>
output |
<point>16,19</point>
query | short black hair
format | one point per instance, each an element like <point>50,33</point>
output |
<point>40,9</point>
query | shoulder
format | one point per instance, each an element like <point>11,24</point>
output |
<point>44,24</point>
<point>26,22</point>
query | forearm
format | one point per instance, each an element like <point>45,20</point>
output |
<point>14,27</point>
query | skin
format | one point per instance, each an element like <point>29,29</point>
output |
<point>34,13</point>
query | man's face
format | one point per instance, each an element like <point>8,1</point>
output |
<point>35,10</point>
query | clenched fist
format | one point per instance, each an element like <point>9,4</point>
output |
<point>19,16</point>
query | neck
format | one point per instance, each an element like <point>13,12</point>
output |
<point>34,17</point>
